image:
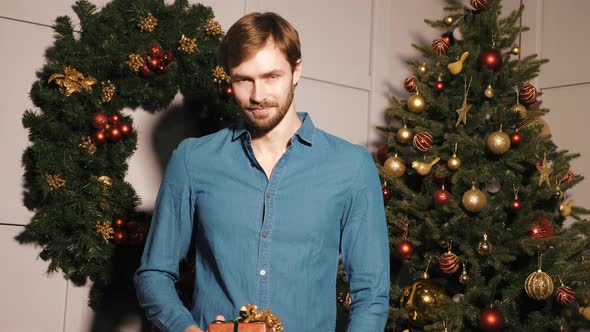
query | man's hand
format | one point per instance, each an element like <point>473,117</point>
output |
<point>195,328</point>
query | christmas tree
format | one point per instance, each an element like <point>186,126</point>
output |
<point>476,191</point>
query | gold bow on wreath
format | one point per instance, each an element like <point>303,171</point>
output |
<point>72,81</point>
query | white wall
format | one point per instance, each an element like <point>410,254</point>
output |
<point>353,52</point>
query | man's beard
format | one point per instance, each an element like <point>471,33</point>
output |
<point>269,122</point>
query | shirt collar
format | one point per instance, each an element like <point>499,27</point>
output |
<point>305,132</point>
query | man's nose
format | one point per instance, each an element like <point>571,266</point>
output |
<point>257,95</point>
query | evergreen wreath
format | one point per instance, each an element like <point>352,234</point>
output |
<point>129,54</point>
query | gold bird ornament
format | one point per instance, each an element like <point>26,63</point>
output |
<point>424,168</point>
<point>585,311</point>
<point>456,67</point>
<point>566,209</point>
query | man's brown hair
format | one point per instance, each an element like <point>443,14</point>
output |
<point>250,33</point>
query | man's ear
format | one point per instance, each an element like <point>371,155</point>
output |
<point>297,72</point>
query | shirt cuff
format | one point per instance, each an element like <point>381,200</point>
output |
<point>180,324</point>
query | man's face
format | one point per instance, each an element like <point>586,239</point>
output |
<point>263,87</point>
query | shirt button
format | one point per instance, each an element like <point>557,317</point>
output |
<point>264,234</point>
<point>262,272</point>
<point>268,195</point>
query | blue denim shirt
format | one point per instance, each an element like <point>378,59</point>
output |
<point>271,242</point>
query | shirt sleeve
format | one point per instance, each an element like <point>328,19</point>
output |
<point>365,250</point>
<point>166,244</point>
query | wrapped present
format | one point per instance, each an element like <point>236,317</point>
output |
<point>250,320</point>
<point>231,326</point>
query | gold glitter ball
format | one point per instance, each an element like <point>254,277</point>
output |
<point>187,45</point>
<point>55,181</point>
<point>212,27</point>
<point>108,91</point>
<point>87,145</point>
<point>135,62</point>
<point>105,230</point>
<point>72,81</point>
<point>148,23</point>
<point>219,75</point>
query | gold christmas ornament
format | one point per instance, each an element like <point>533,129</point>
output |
<point>544,171</point>
<point>464,277</point>
<point>566,209</point>
<point>498,142</point>
<point>449,20</point>
<point>135,62</point>
<point>416,103</point>
<point>55,182</point>
<point>454,162</point>
<point>87,145</point>
<point>456,67</point>
<point>404,135</point>
<point>515,50</point>
<point>474,200</point>
<point>219,75</point>
<point>484,247</point>
<point>105,230</point>
<point>519,108</point>
<point>108,91</point>
<point>187,45</point>
<point>424,168</point>
<point>148,23</point>
<point>212,27</point>
<point>422,69</point>
<point>545,130</point>
<point>421,301</point>
<point>489,91</point>
<point>394,166</point>
<point>72,81</point>
<point>106,182</point>
<point>538,285</point>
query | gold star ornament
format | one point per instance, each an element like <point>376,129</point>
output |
<point>462,112</point>
<point>545,170</point>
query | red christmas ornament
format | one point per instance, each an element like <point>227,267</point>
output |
<point>542,228</point>
<point>120,237</point>
<point>99,137</point>
<point>568,176</point>
<point>387,193</point>
<point>229,90</point>
<point>442,197</point>
<point>162,67</point>
<point>410,83</point>
<point>515,138</point>
<point>382,153</point>
<point>146,71</point>
<point>515,204</point>
<point>125,129</point>
<point>154,51</point>
<point>528,94</point>
<point>114,118</point>
<point>491,320</point>
<point>167,57</point>
<point>448,37</point>
<point>490,59</point>
<point>439,85</point>
<point>423,141</point>
<point>113,133</point>
<point>440,46</point>
<point>119,223</point>
<point>100,120</point>
<point>405,249</point>
<point>153,63</point>
<point>565,295</point>
<point>448,262</point>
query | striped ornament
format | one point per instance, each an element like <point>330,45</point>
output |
<point>528,94</point>
<point>538,285</point>
<point>479,4</point>
<point>568,177</point>
<point>423,141</point>
<point>410,83</point>
<point>440,46</point>
<point>565,295</point>
<point>448,262</point>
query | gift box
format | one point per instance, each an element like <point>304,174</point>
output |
<point>238,327</point>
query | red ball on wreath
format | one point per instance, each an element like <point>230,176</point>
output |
<point>99,137</point>
<point>155,51</point>
<point>153,63</point>
<point>114,133</point>
<point>491,320</point>
<point>120,237</point>
<point>490,59</point>
<point>229,91</point>
<point>114,118</point>
<point>99,120</point>
<point>167,57</point>
<point>442,197</point>
<point>404,249</point>
<point>119,223</point>
<point>125,129</point>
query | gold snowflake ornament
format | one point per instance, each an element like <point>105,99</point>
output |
<point>105,230</point>
<point>108,91</point>
<point>55,182</point>
<point>212,27</point>
<point>148,23</point>
<point>187,45</point>
<point>87,145</point>
<point>135,62</point>
<point>219,75</point>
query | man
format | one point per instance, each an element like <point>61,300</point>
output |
<point>272,203</point>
